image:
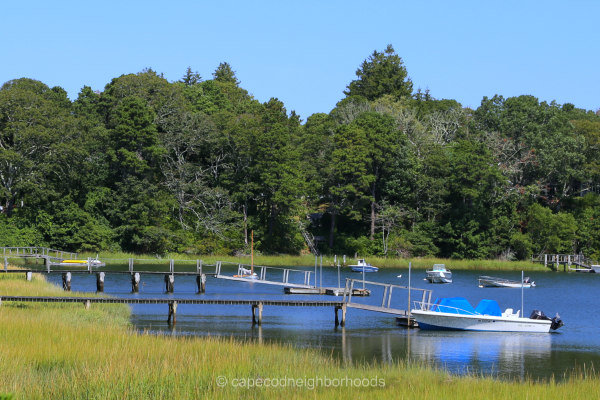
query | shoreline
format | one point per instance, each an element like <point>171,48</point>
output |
<point>66,351</point>
<point>309,261</point>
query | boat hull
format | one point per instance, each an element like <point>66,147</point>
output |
<point>503,284</point>
<point>439,277</point>
<point>433,320</point>
<point>357,268</point>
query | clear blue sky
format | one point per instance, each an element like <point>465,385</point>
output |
<point>306,52</point>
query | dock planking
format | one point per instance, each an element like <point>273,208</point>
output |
<point>256,304</point>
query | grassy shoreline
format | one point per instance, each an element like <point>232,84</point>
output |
<point>309,260</point>
<point>65,351</point>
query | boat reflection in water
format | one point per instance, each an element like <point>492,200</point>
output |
<point>504,354</point>
<point>515,355</point>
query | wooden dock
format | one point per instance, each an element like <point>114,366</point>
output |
<point>569,262</point>
<point>303,282</point>
<point>256,304</point>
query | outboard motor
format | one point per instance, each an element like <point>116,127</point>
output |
<point>556,322</point>
<point>537,314</point>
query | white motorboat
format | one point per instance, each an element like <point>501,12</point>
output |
<point>491,281</point>
<point>456,313</point>
<point>362,265</point>
<point>439,274</point>
<point>595,268</point>
<point>246,273</point>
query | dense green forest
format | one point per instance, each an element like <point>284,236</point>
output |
<point>152,166</point>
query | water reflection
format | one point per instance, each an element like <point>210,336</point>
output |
<point>505,354</point>
<point>370,337</point>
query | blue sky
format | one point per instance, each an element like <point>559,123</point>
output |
<point>306,52</point>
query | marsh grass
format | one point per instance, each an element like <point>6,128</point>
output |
<point>64,351</point>
<point>309,260</point>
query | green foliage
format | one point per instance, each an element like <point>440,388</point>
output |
<point>15,232</point>
<point>194,166</point>
<point>551,232</point>
<point>381,74</point>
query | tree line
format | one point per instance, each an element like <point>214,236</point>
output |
<point>152,166</point>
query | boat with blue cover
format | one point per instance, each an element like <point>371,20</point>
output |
<point>456,313</point>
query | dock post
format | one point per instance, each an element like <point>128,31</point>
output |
<point>343,322</point>
<point>258,306</point>
<point>131,265</point>
<point>87,304</point>
<point>135,283</point>
<point>66,281</point>
<point>337,320</point>
<point>260,309</point>
<point>100,282</point>
<point>169,283</point>
<point>47,262</point>
<point>172,319</point>
<point>201,282</point>
<point>5,263</point>
<point>28,276</point>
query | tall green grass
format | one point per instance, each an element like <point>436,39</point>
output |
<point>309,260</point>
<point>66,352</point>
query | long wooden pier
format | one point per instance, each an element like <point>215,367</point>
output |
<point>570,262</point>
<point>256,304</point>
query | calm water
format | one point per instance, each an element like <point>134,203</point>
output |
<point>372,336</point>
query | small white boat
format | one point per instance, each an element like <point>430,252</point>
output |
<point>595,268</point>
<point>94,262</point>
<point>361,265</point>
<point>246,274</point>
<point>491,281</point>
<point>439,274</point>
<point>456,313</point>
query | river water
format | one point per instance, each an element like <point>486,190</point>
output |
<point>370,336</point>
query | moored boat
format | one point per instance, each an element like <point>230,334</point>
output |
<point>246,273</point>
<point>456,313</point>
<point>439,274</point>
<point>491,281</point>
<point>363,266</point>
<point>94,262</point>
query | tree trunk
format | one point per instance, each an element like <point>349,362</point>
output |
<point>272,217</point>
<point>372,237</point>
<point>245,210</point>
<point>331,230</point>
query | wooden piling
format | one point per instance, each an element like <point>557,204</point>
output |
<point>201,282</point>
<point>28,276</point>
<point>100,282</point>
<point>337,320</point>
<point>5,264</point>
<point>169,283</point>
<point>172,319</point>
<point>258,307</point>
<point>135,283</point>
<point>66,281</point>
<point>87,304</point>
